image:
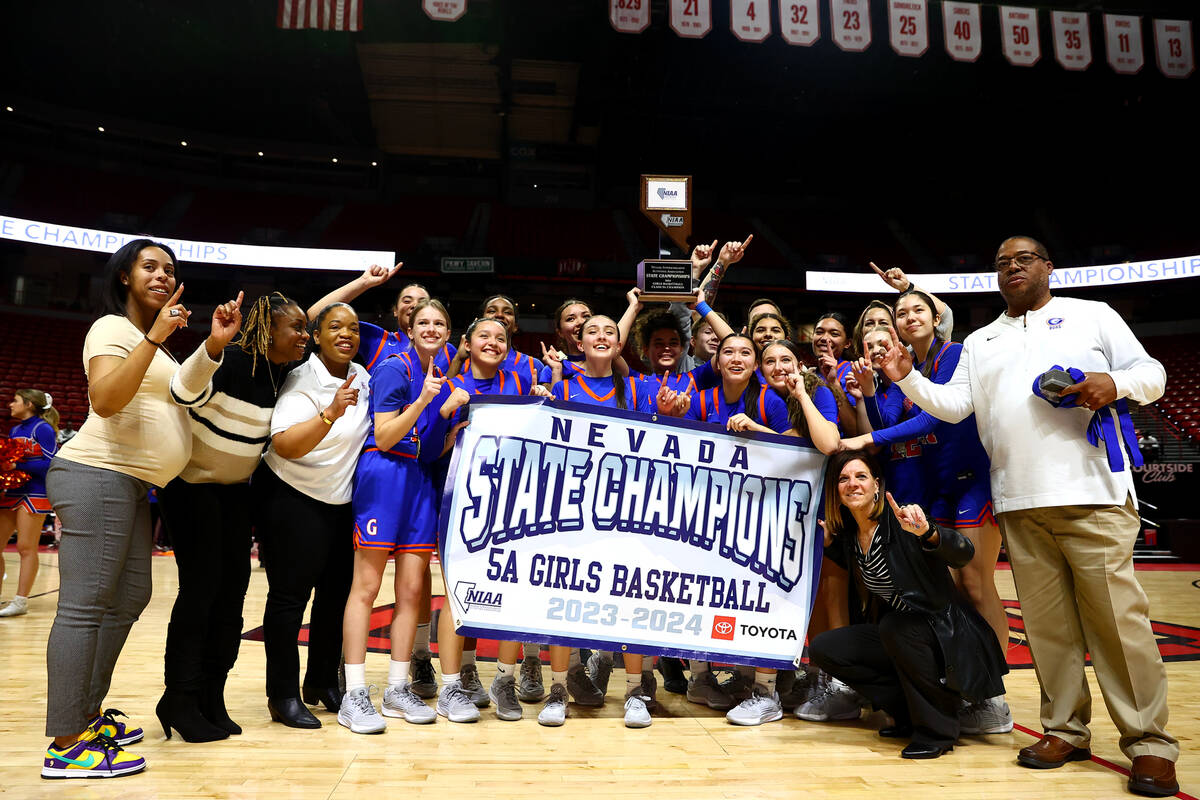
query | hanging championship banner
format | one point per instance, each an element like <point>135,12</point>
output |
<point>851,24</point>
<point>1072,39</point>
<point>908,27</point>
<point>629,16</point>
<point>964,40</point>
<point>444,10</point>
<point>1173,47</point>
<point>593,527</point>
<point>800,21</point>
<point>1123,43</point>
<point>750,20</point>
<point>1019,35</point>
<point>691,19</point>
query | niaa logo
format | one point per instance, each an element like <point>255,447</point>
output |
<point>1055,323</point>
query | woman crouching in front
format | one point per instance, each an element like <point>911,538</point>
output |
<point>922,646</point>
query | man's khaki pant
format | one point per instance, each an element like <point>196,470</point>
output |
<point>1073,567</point>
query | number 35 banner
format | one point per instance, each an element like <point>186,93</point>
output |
<point>586,526</point>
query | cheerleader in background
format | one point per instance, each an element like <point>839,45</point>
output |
<point>600,384</point>
<point>25,507</point>
<point>486,343</point>
<point>955,483</point>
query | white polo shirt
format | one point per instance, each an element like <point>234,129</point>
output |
<point>327,472</point>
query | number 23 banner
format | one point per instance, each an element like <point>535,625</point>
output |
<point>586,526</point>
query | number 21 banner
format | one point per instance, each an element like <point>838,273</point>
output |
<point>908,29</point>
<point>587,526</point>
<point>691,19</point>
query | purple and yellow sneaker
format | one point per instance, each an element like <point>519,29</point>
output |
<point>93,756</point>
<point>106,724</point>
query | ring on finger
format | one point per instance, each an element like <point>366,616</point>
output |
<point>174,312</point>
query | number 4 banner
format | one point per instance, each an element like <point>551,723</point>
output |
<point>964,40</point>
<point>1072,41</point>
<point>1173,46</point>
<point>851,24</point>
<point>1123,42</point>
<point>908,29</point>
<point>691,19</point>
<point>800,21</point>
<point>750,20</point>
<point>1019,35</point>
<point>629,16</point>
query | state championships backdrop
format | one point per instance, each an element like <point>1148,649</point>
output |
<point>578,525</point>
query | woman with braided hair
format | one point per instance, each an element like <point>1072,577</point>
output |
<point>208,512</point>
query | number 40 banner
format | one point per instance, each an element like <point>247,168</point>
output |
<point>586,526</point>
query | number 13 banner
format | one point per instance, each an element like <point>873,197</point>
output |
<point>586,526</point>
<point>1173,44</point>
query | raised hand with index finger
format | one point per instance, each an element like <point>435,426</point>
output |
<point>732,252</point>
<point>171,318</point>
<point>226,321</point>
<point>897,362</point>
<point>894,277</point>
<point>345,396</point>
<point>910,517</point>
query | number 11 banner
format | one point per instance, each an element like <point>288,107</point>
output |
<point>908,29</point>
<point>1123,43</point>
<point>851,24</point>
<point>586,526</point>
<point>1173,46</point>
<point>1019,35</point>
<point>964,38</point>
<point>1072,39</point>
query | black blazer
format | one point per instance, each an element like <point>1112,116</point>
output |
<point>974,662</point>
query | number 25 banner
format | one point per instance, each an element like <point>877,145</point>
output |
<point>586,526</point>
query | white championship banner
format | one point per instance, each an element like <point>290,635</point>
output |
<point>579,525</point>
<point>867,282</point>
<point>222,253</point>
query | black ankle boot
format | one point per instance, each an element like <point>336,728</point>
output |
<point>291,712</point>
<point>331,697</point>
<point>181,711</point>
<point>212,705</point>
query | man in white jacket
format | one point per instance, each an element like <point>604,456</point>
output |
<point>1069,520</point>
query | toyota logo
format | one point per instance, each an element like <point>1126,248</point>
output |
<point>723,627</point>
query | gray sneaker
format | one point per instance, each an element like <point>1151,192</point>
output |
<point>503,693</point>
<point>704,690</point>
<point>795,691</point>
<point>401,701</point>
<point>759,708</point>
<point>531,689</point>
<point>636,713</point>
<point>424,680</point>
<point>833,700</point>
<point>455,704</point>
<point>582,690</point>
<point>554,713</point>
<point>17,607</point>
<point>473,687</point>
<point>358,712</point>
<point>985,717</point>
<point>599,669</point>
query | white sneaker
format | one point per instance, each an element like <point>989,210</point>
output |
<point>358,713</point>
<point>554,713</point>
<point>455,704</point>
<point>985,717</point>
<point>636,713</point>
<point>18,606</point>
<point>399,701</point>
<point>759,708</point>
<point>832,701</point>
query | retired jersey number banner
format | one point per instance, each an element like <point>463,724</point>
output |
<point>586,526</point>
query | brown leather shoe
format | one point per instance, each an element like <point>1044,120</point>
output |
<point>1051,752</point>
<point>1153,776</point>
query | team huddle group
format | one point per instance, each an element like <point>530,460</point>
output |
<point>303,426</point>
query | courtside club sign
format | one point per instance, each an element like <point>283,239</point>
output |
<point>587,526</point>
<point>223,253</point>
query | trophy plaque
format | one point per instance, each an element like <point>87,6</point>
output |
<point>666,281</point>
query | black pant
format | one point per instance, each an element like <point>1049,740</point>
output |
<point>309,546</point>
<point>897,665</point>
<point>209,524</point>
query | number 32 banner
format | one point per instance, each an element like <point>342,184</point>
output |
<point>586,526</point>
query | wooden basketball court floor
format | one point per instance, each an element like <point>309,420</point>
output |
<point>690,752</point>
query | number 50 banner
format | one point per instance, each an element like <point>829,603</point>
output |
<point>586,526</point>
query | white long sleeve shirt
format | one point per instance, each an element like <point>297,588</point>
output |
<point>1040,454</point>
